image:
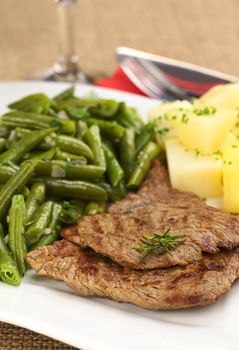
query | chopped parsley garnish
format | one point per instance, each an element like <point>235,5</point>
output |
<point>185,118</point>
<point>205,111</point>
<point>162,132</point>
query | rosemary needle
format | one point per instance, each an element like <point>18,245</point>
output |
<point>158,243</point>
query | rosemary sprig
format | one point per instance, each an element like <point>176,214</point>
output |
<point>158,243</point>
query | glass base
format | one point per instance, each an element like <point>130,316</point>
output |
<point>55,74</point>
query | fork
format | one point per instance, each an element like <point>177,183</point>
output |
<point>151,80</point>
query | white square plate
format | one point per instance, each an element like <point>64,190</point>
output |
<point>51,308</point>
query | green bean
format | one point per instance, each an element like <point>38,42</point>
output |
<point>77,113</point>
<point>37,103</point>
<point>102,108</point>
<point>70,157</point>
<point>45,240</point>
<point>143,163</point>
<point>3,144</point>
<point>46,156</point>
<point>93,147</point>
<point>71,211</point>
<point>6,172</point>
<point>44,146</point>
<point>25,192</point>
<point>35,199</point>
<point>48,145</point>
<point>109,129</point>
<point>81,129</point>
<point>65,95</point>
<point>147,134</point>
<point>74,189</point>
<point>110,145</point>
<point>134,118</point>
<point>17,243</point>
<point>69,170</point>
<point>121,116</point>
<point>37,121</point>
<point>40,220</point>
<point>22,132</point>
<point>93,138</point>
<point>127,151</point>
<point>55,216</point>
<point>4,130</point>
<point>51,112</point>
<point>105,108</point>
<point>114,193</point>
<point>162,157</point>
<point>39,155</point>
<point>75,103</point>
<point>11,138</point>
<point>22,147</point>
<point>54,228</point>
<point>93,208</point>
<point>13,166</point>
<point>129,118</point>
<point>75,146</point>
<point>14,185</point>
<point>118,192</point>
<point>114,171</point>
<point>8,269</point>
<point>25,120</point>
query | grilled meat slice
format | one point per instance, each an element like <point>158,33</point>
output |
<point>155,189</point>
<point>155,209</point>
<point>90,274</point>
<point>115,235</point>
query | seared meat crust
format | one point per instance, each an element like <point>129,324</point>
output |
<point>90,274</point>
<point>155,189</point>
<point>154,209</point>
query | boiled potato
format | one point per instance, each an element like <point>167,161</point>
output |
<point>160,114</point>
<point>204,133</point>
<point>235,129</point>
<point>166,107</point>
<point>221,96</point>
<point>228,147</point>
<point>231,188</point>
<point>230,173</point>
<point>231,141</point>
<point>190,172</point>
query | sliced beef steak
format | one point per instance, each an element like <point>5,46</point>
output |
<point>153,210</point>
<point>156,188</point>
<point>90,274</point>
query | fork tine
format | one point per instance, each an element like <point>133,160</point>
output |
<point>150,80</point>
<point>132,71</point>
<point>139,77</point>
<point>160,78</point>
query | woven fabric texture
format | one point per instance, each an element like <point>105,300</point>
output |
<point>17,338</point>
<point>204,32</point>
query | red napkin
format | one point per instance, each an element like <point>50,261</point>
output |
<point>119,81</point>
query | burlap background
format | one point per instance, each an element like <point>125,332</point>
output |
<point>205,32</point>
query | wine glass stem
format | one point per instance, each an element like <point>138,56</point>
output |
<point>67,59</point>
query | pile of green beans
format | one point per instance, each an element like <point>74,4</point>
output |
<point>61,158</point>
